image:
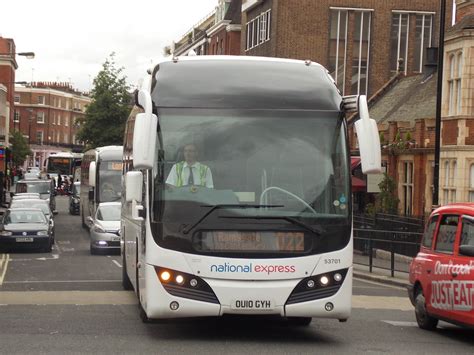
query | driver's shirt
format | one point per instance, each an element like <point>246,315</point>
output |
<point>197,168</point>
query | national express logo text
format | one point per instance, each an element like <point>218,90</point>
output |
<point>268,269</point>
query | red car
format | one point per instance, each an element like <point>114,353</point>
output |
<point>442,274</point>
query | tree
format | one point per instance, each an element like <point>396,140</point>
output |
<point>19,147</point>
<point>387,201</point>
<point>104,122</point>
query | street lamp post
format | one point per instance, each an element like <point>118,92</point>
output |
<point>442,20</point>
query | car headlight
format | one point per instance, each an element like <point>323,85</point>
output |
<point>42,233</point>
<point>98,229</point>
<point>5,233</point>
<point>75,200</point>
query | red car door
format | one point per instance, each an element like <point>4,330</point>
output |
<point>462,274</point>
<point>439,302</point>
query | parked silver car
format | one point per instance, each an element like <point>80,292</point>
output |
<point>25,228</point>
<point>42,205</point>
<point>105,228</point>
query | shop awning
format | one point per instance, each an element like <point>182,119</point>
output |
<point>355,161</point>
<point>358,185</point>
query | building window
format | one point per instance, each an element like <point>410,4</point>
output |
<point>423,39</point>
<point>258,30</point>
<point>407,188</point>
<point>40,100</point>
<point>455,63</point>
<point>66,121</point>
<point>338,47</point>
<point>360,57</point>
<point>16,116</point>
<point>471,183</point>
<point>59,120</point>
<point>340,58</point>
<point>458,84</point>
<point>17,99</point>
<point>40,117</point>
<point>39,137</point>
<point>400,32</point>
<point>449,183</point>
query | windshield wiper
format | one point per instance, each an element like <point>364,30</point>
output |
<point>217,207</point>
<point>317,231</point>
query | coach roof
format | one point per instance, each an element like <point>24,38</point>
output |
<point>244,83</point>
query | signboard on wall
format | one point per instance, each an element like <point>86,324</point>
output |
<point>373,181</point>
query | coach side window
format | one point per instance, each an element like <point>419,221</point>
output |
<point>447,234</point>
<point>429,232</point>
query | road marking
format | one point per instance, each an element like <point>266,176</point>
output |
<point>382,302</point>
<point>68,298</point>
<point>59,281</point>
<point>3,269</point>
<point>117,263</point>
<point>401,324</point>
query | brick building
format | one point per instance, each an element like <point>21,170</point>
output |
<point>224,35</point>
<point>216,34</point>
<point>48,114</point>
<point>195,39</point>
<point>8,65</point>
<point>405,112</point>
<point>359,41</point>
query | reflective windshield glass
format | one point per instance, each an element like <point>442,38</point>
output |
<point>41,187</point>
<point>59,166</point>
<point>296,160</point>
<point>110,181</point>
<point>109,213</point>
<point>225,175</point>
<point>24,217</point>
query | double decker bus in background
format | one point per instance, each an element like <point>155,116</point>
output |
<point>270,233</point>
<point>101,178</point>
<point>66,164</point>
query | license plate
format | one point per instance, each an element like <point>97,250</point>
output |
<point>260,305</point>
<point>24,239</point>
<point>116,239</point>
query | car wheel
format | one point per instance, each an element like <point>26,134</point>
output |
<point>49,247</point>
<point>424,320</point>
<point>300,321</point>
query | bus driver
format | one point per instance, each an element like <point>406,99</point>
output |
<point>190,171</point>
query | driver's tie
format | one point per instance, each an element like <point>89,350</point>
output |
<point>191,176</point>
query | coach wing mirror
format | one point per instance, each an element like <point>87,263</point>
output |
<point>92,169</point>
<point>369,140</point>
<point>144,133</point>
<point>467,250</point>
<point>133,193</point>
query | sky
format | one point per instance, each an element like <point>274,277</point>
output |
<point>72,39</point>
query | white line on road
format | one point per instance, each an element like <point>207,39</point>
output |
<point>58,281</point>
<point>401,324</point>
<point>3,270</point>
<point>117,263</point>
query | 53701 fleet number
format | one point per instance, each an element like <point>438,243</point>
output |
<point>332,261</point>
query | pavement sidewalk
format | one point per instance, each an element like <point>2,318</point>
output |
<point>381,270</point>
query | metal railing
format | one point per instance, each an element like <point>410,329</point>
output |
<point>392,250</point>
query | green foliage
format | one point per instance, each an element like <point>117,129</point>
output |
<point>106,115</point>
<point>382,138</point>
<point>387,201</point>
<point>408,137</point>
<point>20,148</point>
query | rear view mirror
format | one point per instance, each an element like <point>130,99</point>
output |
<point>467,250</point>
<point>133,186</point>
<point>92,169</point>
<point>369,140</point>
